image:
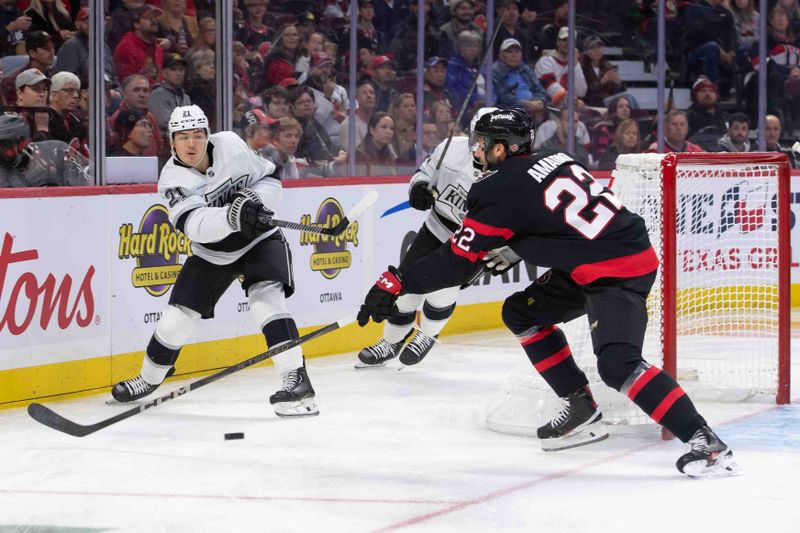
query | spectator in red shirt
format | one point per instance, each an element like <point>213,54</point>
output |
<point>282,56</point>
<point>138,51</point>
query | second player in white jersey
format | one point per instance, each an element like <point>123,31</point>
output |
<point>220,194</point>
<point>444,192</point>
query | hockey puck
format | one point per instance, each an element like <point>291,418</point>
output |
<point>234,436</point>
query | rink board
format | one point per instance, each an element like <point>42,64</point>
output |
<point>83,287</point>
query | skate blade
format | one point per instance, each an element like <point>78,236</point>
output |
<point>723,466</point>
<point>298,409</point>
<point>592,433</point>
<point>359,365</point>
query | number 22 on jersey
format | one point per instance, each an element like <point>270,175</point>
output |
<point>580,187</point>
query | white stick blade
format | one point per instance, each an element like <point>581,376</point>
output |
<point>796,147</point>
<point>363,205</point>
<point>349,319</point>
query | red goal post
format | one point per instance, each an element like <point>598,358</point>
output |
<point>757,180</point>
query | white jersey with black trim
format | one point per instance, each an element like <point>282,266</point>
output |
<point>453,181</point>
<point>198,202</point>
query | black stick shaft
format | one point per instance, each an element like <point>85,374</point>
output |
<point>50,418</point>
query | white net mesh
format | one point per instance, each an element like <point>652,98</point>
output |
<point>727,293</point>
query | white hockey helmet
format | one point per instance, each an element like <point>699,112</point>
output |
<point>188,117</point>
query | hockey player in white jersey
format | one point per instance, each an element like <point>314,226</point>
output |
<point>221,195</point>
<point>447,203</point>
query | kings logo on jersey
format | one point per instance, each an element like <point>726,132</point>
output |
<point>157,248</point>
<point>330,254</point>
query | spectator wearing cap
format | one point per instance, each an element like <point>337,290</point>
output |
<point>257,128</point>
<point>135,95</point>
<point>175,25</point>
<point>168,93</point>
<point>315,146</point>
<point>41,55</point>
<point>365,100</point>
<point>552,71</point>
<point>602,79</point>
<point>138,51</point>
<point>463,12</point>
<point>515,83</point>
<point>434,83</point>
<point>51,16</point>
<point>676,129</point>
<point>73,56</point>
<point>403,44</point>
<point>512,28</point>
<point>282,56</point>
<point>135,133</point>
<point>384,75</point>
<point>255,29</point>
<point>736,138</point>
<point>14,26</point>
<point>32,88</point>
<point>367,52</point>
<point>331,98</point>
<point>462,68</point>
<point>772,135</point>
<point>707,122</point>
<point>65,91</point>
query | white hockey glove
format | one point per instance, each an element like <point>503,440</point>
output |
<point>501,259</point>
<point>247,215</point>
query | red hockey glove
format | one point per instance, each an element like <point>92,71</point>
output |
<point>379,303</point>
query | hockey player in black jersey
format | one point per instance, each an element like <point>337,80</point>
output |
<point>550,211</point>
<point>220,193</point>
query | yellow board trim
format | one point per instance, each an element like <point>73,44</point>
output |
<point>73,379</point>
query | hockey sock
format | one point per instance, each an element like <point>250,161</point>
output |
<point>434,319</point>
<point>280,331</point>
<point>398,327</point>
<point>157,361</point>
<point>549,352</point>
<point>660,396</point>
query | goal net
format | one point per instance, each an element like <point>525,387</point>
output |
<point>719,309</point>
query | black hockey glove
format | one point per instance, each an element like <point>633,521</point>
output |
<point>420,197</point>
<point>500,260</point>
<point>247,214</point>
<point>379,303</point>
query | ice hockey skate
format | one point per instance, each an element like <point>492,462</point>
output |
<point>417,348</point>
<point>296,397</point>
<point>133,389</point>
<point>378,354</point>
<point>578,423</point>
<point>708,456</point>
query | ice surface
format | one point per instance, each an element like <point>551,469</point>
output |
<point>390,451</point>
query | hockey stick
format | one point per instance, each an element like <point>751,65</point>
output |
<point>359,209</point>
<point>464,104</point>
<point>50,418</point>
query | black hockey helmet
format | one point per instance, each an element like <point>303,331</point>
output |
<point>15,135</point>
<point>512,128</point>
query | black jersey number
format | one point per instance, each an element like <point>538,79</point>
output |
<point>576,187</point>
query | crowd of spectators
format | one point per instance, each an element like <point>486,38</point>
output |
<point>291,62</point>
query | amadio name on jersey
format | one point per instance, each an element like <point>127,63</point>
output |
<point>330,254</point>
<point>157,248</point>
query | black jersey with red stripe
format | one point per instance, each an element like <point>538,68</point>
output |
<point>552,213</point>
